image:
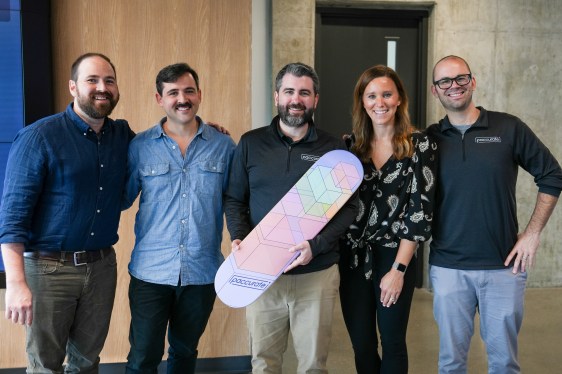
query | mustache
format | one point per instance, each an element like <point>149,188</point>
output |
<point>108,94</point>
<point>187,105</point>
<point>296,106</point>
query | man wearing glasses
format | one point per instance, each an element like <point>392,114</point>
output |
<point>478,260</point>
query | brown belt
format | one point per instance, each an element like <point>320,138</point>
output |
<point>76,258</point>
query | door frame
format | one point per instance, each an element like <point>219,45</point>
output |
<point>387,17</point>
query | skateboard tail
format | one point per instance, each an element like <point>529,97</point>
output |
<point>238,288</point>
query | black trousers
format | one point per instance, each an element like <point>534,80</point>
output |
<point>363,312</point>
<point>184,311</point>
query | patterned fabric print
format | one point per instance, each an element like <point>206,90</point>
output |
<point>396,202</point>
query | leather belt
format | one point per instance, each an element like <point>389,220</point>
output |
<point>77,258</point>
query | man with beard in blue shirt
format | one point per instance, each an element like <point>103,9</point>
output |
<point>58,222</point>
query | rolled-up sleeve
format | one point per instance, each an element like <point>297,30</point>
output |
<point>25,172</point>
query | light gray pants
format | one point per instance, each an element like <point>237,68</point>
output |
<point>498,297</point>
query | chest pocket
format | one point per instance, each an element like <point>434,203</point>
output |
<point>156,183</point>
<point>209,177</point>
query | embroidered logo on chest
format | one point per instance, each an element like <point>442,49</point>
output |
<point>310,158</point>
<point>488,139</point>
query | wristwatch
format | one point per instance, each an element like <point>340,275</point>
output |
<point>400,267</point>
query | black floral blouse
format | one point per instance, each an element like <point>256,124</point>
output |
<point>396,202</point>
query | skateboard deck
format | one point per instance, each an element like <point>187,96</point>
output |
<point>298,216</point>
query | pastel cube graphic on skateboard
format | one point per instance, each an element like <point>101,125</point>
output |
<point>300,215</point>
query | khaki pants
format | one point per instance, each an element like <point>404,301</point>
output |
<point>302,304</point>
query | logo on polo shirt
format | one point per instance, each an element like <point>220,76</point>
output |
<point>310,158</point>
<point>488,139</point>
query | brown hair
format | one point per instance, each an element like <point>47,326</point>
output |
<point>78,61</point>
<point>362,125</point>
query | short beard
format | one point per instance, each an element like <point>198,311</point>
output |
<point>294,121</point>
<point>87,104</point>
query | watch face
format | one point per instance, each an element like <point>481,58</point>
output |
<point>400,267</point>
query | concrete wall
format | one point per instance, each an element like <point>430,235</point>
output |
<point>514,48</point>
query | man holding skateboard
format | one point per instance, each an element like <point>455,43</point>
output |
<point>267,163</point>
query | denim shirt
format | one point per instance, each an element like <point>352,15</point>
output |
<point>179,222</point>
<point>64,184</point>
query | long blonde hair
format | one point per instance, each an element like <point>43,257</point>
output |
<point>362,125</point>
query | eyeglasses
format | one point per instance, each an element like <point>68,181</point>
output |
<point>462,80</point>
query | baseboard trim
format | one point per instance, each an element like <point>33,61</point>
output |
<point>215,365</point>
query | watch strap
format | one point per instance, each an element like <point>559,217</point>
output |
<point>400,267</point>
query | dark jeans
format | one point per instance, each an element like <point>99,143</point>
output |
<point>184,310</point>
<point>362,311</point>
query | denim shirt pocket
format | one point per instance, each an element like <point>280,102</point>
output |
<point>210,177</point>
<point>156,183</point>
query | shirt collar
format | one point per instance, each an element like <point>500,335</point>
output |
<point>79,122</point>
<point>203,130</point>
<point>310,136</point>
<point>481,122</point>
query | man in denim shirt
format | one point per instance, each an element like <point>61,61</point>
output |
<point>59,218</point>
<point>180,168</point>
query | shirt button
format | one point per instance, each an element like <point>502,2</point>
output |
<point>101,188</point>
<point>153,171</point>
<point>92,234</point>
<point>183,221</point>
<point>101,165</point>
<point>173,147</point>
<point>84,134</point>
<point>98,211</point>
<point>181,246</point>
<point>184,195</point>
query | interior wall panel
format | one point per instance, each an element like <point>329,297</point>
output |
<point>141,37</point>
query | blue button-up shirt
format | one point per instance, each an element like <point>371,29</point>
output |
<point>63,184</point>
<point>179,223</point>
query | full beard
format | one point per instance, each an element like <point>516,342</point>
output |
<point>295,121</point>
<point>97,110</point>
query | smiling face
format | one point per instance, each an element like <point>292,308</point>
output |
<point>381,101</point>
<point>455,98</point>
<point>95,90</point>
<point>180,100</point>
<point>296,100</point>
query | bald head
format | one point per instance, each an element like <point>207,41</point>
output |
<point>450,58</point>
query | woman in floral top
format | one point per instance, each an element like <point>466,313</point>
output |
<point>378,252</point>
